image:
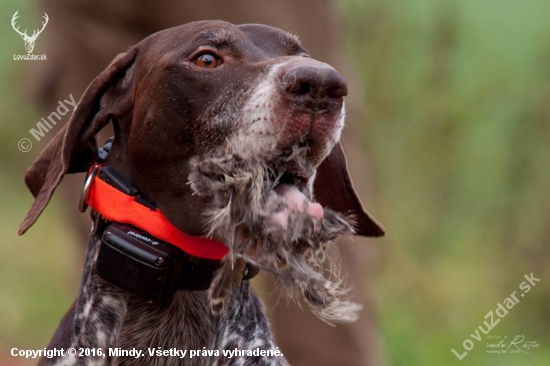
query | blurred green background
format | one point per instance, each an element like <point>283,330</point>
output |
<point>457,97</point>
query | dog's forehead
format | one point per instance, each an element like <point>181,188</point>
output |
<point>271,41</point>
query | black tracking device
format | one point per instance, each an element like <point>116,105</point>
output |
<point>147,267</point>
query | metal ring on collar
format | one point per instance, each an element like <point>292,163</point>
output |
<point>82,204</point>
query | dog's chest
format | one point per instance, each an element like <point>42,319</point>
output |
<point>183,324</point>
<point>106,317</point>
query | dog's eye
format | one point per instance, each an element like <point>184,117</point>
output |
<point>207,60</point>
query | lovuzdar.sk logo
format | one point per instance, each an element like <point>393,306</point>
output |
<point>29,40</point>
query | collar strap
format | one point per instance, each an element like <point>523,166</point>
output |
<point>125,205</point>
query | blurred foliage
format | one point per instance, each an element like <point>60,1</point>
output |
<point>457,95</point>
<point>458,103</point>
<point>38,273</point>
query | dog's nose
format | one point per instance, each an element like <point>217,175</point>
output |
<point>318,88</point>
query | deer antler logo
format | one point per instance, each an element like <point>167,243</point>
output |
<point>29,40</point>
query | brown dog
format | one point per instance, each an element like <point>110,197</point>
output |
<point>228,131</point>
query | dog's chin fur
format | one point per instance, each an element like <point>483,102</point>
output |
<point>239,216</point>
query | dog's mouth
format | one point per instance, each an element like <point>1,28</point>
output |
<point>285,175</point>
<point>289,178</point>
<point>270,193</point>
<point>266,215</point>
<point>289,191</point>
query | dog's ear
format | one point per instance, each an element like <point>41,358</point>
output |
<point>333,189</point>
<point>74,148</point>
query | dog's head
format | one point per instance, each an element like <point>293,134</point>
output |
<point>212,108</point>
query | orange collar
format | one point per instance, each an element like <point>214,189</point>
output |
<point>116,206</point>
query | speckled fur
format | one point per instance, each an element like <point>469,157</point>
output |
<point>240,217</point>
<point>107,317</point>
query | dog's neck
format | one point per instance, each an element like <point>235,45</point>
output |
<point>169,197</point>
<point>106,317</point>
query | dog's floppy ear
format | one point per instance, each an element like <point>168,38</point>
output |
<point>333,189</point>
<point>74,148</point>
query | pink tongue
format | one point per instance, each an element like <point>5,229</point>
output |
<point>297,201</point>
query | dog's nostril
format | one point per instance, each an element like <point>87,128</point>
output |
<point>300,88</point>
<point>338,90</point>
